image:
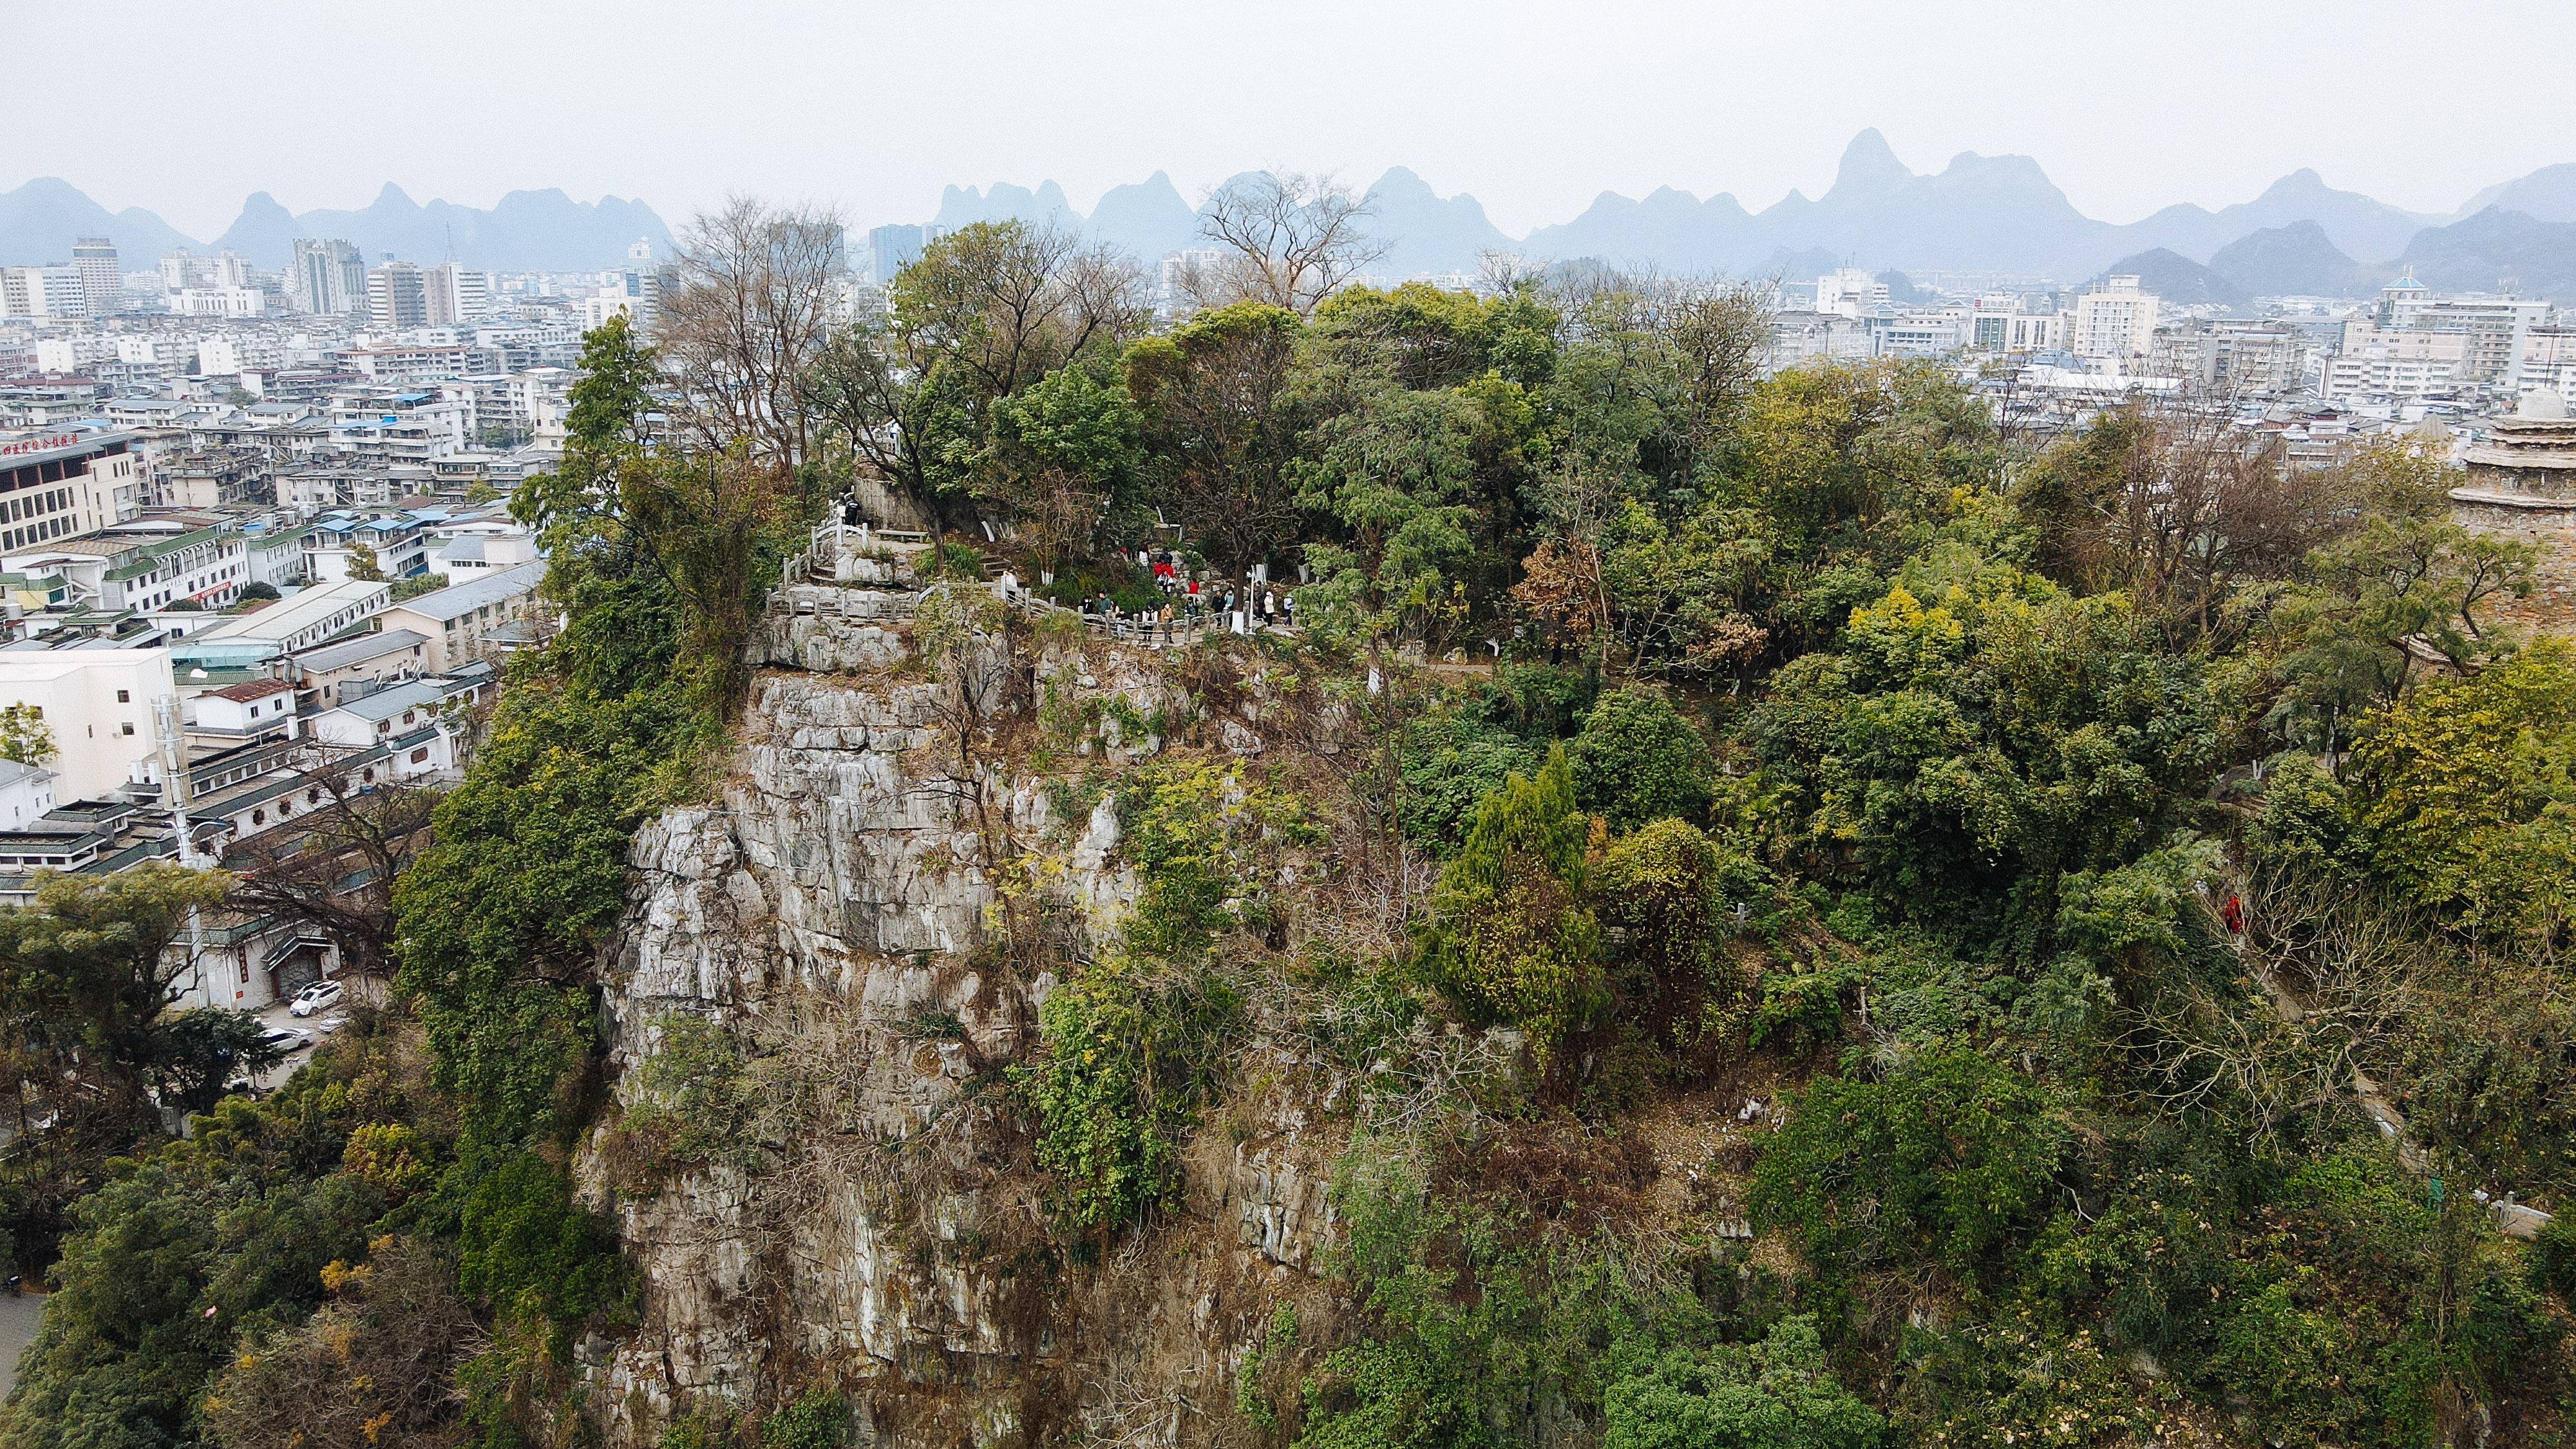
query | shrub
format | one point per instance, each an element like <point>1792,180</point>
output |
<point>1665,896</point>
<point>693,1102</point>
<point>1510,939</point>
<point>819,1419</point>
<point>1776,1394</point>
<point>1950,1159</point>
<point>1448,762</point>
<point>1638,760</point>
<point>1129,1063</point>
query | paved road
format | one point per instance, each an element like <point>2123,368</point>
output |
<point>18,1320</point>
<point>278,1015</point>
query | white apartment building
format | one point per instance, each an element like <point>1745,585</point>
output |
<point>102,281</point>
<point>397,297</point>
<point>1849,292</point>
<point>99,704</point>
<point>37,293</point>
<point>2117,320</point>
<point>2397,363</point>
<point>456,294</point>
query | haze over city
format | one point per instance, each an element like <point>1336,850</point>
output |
<point>1534,108</point>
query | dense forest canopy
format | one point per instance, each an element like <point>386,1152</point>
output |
<point>2085,834</point>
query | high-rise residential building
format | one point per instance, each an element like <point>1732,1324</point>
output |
<point>328,277</point>
<point>1848,292</point>
<point>2496,329</point>
<point>183,268</point>
<point>457,294</point>
<point>397,296</point>
<point>2114,320</point>
<point>41,292</point>
<point>893,247</point>
<point>94,257</point>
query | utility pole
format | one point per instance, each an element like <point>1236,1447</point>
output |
<point>174,784</point>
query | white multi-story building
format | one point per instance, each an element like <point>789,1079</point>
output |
<point>218,302</point>
<point>94,257</point>
<point>37,293</point>
<point>2496,329</point>
<point>327,277</point>
<point>57,485</point>
<point>397,297</point>
<point>1998,323</point>
<point>99,704</point>
<point>1849,292</point>
<point>2116,320</point>
<point>456,294</point>
<point>181,270</point>
<point>2398,365</point>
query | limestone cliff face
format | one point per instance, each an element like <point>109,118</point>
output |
<point>833,913</point>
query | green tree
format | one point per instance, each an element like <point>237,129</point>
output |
<point>24,735</point>
<point>1220,427</point>
<point>984,314</point>
<point>1069,458</point>
<point>1638,759</point>
<point>2351,632</point>
<point>1950,1159</point>
<point>1776,1394</point>
<point>1960,755</point>
<point>2466,792</point>
<point>1512,938</point>
<point>364,565</point>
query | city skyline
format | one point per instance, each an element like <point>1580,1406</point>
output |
<point>876,109</point>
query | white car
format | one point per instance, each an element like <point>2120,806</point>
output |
<point>287,1039</point>
<point>315,997</point>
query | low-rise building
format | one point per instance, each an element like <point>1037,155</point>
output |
<point>297,622</point>
<point>360,665</point>
<point>460,620</point>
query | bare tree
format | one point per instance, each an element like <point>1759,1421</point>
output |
<point>2178,505</point>
<point>1009,302</point>
<point>333,869</point>
<point>1287,239</point>
<point>755,293</point>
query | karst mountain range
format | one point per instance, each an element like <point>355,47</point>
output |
<point>1997,215</point>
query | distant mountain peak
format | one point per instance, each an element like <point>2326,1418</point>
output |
<point>1869,166</point>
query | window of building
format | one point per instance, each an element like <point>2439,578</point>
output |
<point>128,728</point>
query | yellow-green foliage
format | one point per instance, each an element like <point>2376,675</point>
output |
<point>1512,939</point>
<point>2465,791</point>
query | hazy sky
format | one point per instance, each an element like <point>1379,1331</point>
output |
<point>1535,108</point>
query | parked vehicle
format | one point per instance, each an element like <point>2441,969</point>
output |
<point>315,997</point>
<point>287,1038</point>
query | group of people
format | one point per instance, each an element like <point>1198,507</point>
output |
<point>1189,599</point>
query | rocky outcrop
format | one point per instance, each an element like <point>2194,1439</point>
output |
<point>834,911</point>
